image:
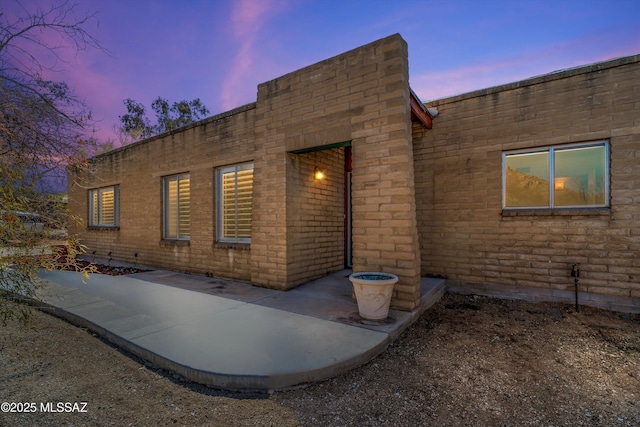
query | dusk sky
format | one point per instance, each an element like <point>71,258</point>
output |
<point>220,50</point>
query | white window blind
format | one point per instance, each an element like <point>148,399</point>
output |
<point>235,202</point>
<point>177,207</point>
<point>104,207</point>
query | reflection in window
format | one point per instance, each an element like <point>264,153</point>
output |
<point>579,176</point>
<point>527,180</point>
<point>563,176</point>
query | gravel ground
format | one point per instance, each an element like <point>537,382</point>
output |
<point>467,361</point>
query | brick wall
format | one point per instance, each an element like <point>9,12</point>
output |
<point>315,218</point>
<point>464,234</point>
<point>385,234</point>
<point>360,98</point>
<point>139,168</point>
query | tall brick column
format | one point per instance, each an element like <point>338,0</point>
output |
<point>385,233</point>
<point>269,225</point>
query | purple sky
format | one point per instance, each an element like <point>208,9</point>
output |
<point>220,50</point>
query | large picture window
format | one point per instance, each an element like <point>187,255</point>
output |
<point>104,209</point>
<point>566,176</point>
<point>234,203</point>
<point>177,207</point>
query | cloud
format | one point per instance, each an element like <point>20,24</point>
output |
<point>85,77</point>
<point>448,82</point>
<point>522,65</point>
<point>52,55</point>
<point>247,19</point>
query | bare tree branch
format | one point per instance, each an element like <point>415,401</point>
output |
<point>43,129</point>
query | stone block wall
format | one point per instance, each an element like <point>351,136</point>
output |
<point>465,235</point>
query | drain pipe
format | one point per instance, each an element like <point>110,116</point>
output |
<point>575,273</point>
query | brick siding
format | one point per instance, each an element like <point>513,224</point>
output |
<point>464,235</point>
<point>359,98</point>
<point>139,168</point>
<point>424,201</point>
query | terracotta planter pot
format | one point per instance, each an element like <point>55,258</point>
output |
<point>373,293</point>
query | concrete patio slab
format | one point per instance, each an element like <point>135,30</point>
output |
<point>230,334</point>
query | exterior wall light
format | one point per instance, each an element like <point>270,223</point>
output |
<point>318,174</point>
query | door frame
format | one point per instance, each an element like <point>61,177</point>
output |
<point>348,250</point>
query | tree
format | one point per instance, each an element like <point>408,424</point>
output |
<point>43,128</point>
<point>135,123</point>
<point>168,117</point>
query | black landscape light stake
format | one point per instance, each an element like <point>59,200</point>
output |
<point>575,273</point>
<point>136,257</point>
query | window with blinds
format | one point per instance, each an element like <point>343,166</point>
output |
<point>235,202</point>
<point>177,207</point>
<point>104,207</point>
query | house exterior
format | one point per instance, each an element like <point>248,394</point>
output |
<point>461,195</point>
<point>479,160</point>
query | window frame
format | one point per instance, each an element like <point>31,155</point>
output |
<point>219,201</point>
<point>166,225</point>
<point>100,202</point>
<point>551,150</point>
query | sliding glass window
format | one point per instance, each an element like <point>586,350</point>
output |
<point>567,176</point>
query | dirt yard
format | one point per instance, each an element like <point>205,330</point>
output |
<point>467,361</point>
